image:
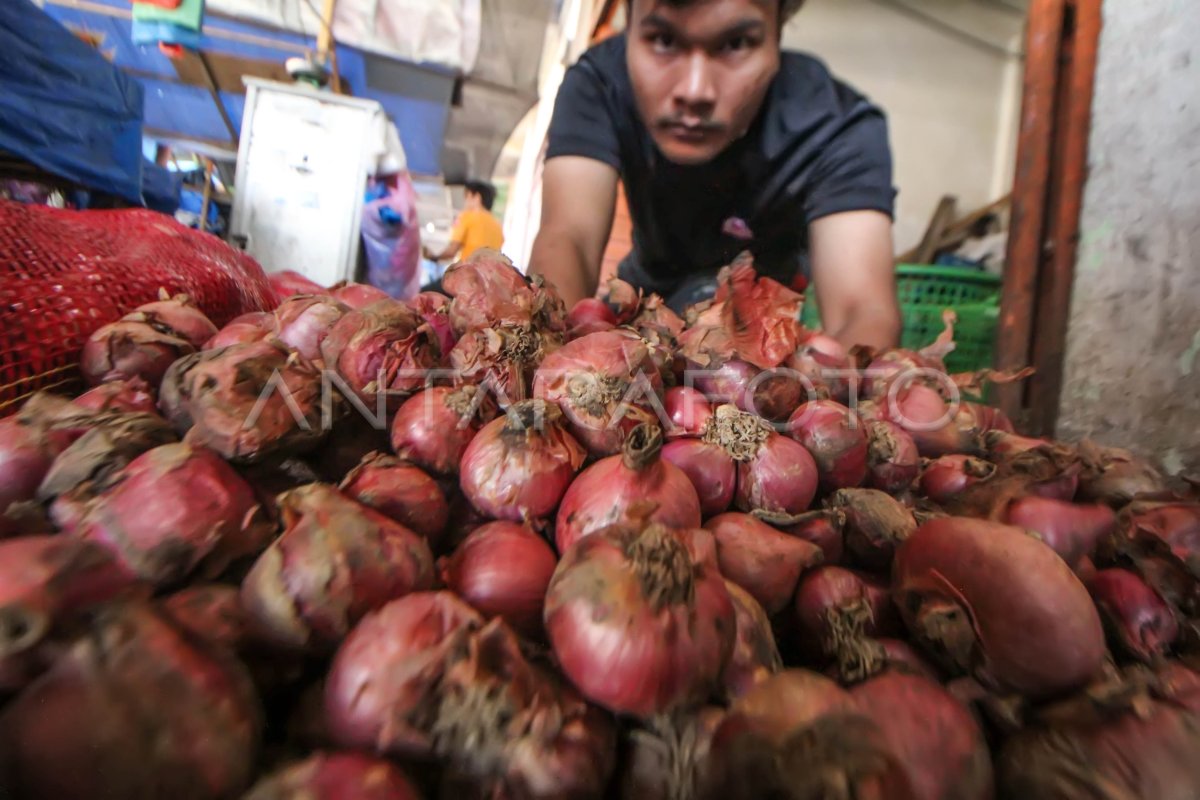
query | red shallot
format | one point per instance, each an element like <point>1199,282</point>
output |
<point>762,560</point>
<point>1138,620</point>
<point>710,469</point>
<point>834,435</point>
<point>990,600</point>
<point>518,467</point>
<point>640,620</point>
<point>336,561</point>
<point>502,569</point>
<point>615,489</point>
<point>433,427</point>
<point>401,491</point>
<point>893,462</point>
<point>755,656</point>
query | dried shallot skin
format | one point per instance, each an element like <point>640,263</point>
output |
<point>126,350</point>
<point>133,395</point>
<point>303,322</point>
<point>144,342</point>
<point>799,735</point>
<point>835,608</point>
<point>605,383</point>
<point>133,709</point>
<point>507,728</point>
<point>356,295</point>
<point>248,402</point>
<point>423,677</point>
<point>382,684</point>
<point>336,561</point>
<point>95,457</point>
<point>47,584</point>
<point>175,512</point>
<point>250,327</point>
<point>1139,622</point>
<point>893,462</point>
<point>177,315</point>
<point>384,347</point>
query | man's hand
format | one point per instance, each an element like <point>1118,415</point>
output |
<point>578,195</point>
<point>450,251</point>
<point>854,277</point>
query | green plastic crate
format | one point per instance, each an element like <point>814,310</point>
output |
<point>924,291</point>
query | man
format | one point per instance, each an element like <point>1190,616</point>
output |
<point>475,226</point>
<point>724,144</point>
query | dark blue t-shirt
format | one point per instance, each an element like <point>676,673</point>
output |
<point>816,148</point>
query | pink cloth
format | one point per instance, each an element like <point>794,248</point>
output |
<point>393,249</point>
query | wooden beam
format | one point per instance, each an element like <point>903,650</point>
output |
<point>325,34</point>
<point>1072,128</point>
<point>1026,245</point>
<point>215,92</point>
<point>960,228</point>
<point>939,223</point>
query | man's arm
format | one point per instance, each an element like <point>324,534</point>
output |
<point>854,277</point>
<point>450,251</point>
<point>578,195</point>
<point>458,235</point>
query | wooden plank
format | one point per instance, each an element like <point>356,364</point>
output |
<point>942,217</point>
<point>959,228</point>
<point>1070,160</point>
<point>1026,237</point>
<point>227,71</point>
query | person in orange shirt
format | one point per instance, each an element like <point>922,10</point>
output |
<point>475,227</point>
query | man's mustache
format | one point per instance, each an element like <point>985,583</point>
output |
<point>707,125</point>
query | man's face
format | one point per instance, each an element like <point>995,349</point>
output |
<point>700,71</point>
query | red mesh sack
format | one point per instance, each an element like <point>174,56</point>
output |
<point>66,273</point>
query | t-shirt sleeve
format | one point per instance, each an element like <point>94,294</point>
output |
<point>459,232</point>
<point>854,170</point>
<point>582,123</point>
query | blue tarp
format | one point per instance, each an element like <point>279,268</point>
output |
<point>161,187</point>
<point>64,107</point>
<point>415,97</point>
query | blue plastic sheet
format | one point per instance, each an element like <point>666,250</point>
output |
<point>161,187</point>
<point>64,107</point>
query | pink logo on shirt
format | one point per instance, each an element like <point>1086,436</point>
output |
<point>737,228</point>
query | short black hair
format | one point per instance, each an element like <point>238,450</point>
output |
<point>786,7</point>
<point>486,192</point>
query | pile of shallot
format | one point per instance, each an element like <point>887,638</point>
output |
<point>478,545</point>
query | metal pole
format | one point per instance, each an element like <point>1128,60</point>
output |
<point>1072,127</point>
<point>1026,242</point>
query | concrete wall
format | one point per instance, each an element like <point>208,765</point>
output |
<point>1133,356</point>
<point>952,103</point>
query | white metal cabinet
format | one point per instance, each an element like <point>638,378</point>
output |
<point>303,161</point>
